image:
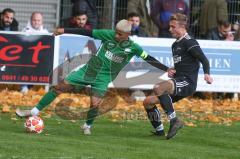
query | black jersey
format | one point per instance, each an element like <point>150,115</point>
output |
<point>187,56</point>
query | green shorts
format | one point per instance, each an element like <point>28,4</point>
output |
<point>79,78</point>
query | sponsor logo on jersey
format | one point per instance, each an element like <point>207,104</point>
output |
<point>177,59</point>
<point>177,49</point>
<point>109,55</point>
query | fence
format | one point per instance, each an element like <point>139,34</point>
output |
<point>105,12</point>
<point>109,11</point>
<point>24,8</point>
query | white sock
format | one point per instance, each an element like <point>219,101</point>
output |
<point>160,127</point>
<point>86,125</point>
<point>35,111</point>
<point>172,116</point>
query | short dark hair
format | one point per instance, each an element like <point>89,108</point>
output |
<point>78,13</point>
<point>8,10</point>
<point>133,14</point>
<point>223,23</point>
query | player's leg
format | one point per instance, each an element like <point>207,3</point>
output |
<point>46,99</point>
<point>92,114</point>
<point>153,114</point>
<point>175,123</point>
<point>166,87</point>
<point>182,88</point>
<point>98,91</point>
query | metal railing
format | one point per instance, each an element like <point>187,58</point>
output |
<point>110,11</point>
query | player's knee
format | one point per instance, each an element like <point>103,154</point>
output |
<point>96,102</point>
<point>62,87</point>
<point>146,102</point>
<point>162,88</point>
<point>158,89</point>
<point>149,102</point>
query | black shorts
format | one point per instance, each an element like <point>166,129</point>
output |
<point>183,88</point>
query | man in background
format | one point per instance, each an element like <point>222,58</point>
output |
<point>35,25</point>
<point>134,18</point>
<point>78,20</point>
<point>8,22</point>
<point>144,9</point>
<point>212,11</point>
<point>162,11</point>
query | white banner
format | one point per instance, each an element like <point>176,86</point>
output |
<point>223,57</point>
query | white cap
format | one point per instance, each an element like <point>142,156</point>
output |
<point>124,25</point>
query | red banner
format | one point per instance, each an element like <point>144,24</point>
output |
<point>26,58</point>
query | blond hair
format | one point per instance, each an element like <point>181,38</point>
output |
<point>180,18</point>
<point>124,25</point>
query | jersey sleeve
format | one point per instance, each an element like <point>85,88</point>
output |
<point>195,50</point>
<point>103,34</point>
<point>139,52</point>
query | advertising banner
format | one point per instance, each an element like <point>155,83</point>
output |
<point>223,58</point>
<point>26,58</point>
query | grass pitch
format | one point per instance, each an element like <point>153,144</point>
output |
<point>63,139</point>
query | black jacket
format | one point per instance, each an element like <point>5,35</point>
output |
<point>89,6</point>
<point>214,34</point>
<point>13,26</point>
<point>139,32</point>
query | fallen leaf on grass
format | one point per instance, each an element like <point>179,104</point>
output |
<point>14,119</point>
<point>6,109</point>
<point>190,124</point>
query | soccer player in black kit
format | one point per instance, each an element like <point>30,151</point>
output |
<point>187,56</point>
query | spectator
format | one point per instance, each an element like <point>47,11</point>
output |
<point>79,20</point>
<point>237,35</point>
<point>88,6</point>
<point>212,11</point>
<point>134,18</point>
<point>143,8</point>
<point>221,32</point>
<point>162,11</point>
<point>8,22</point>
<point>35,25</point>
<point>236,30</point>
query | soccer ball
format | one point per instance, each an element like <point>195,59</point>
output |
<point>34,124</point>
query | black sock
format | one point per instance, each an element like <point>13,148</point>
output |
<point>155,118</point>
<point>166,103</point>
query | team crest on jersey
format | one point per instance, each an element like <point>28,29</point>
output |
<point>109,45</point>
<point>127,51</point>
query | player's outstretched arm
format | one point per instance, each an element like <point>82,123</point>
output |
<point>79,31</point>
<point>58,31</point>
<point>154,62</point>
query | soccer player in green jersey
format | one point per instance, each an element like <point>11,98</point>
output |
<point>115,52</point>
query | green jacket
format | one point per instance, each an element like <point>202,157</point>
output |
<point>146,24</point>
<point>212,11</point>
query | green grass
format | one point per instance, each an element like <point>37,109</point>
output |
<point>116,140</point>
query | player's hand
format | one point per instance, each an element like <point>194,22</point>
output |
<point>58,31</point>
<point>208,78</point>
<point>171,72</point>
